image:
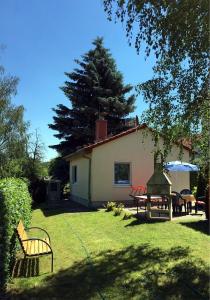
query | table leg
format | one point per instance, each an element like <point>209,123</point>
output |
<point>190,206</point>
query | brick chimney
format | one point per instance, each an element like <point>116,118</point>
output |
<point>101,130</point>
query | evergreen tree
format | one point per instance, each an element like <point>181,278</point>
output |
<point>94,89</point>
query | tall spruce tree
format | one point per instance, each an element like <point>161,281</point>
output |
<point>94,89</point>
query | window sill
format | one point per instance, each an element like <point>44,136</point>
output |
<point>122,185</point>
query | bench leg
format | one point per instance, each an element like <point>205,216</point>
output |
<point>52,262</point>
<point>24,264</point>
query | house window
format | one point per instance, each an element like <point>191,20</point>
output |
<point>122,173</point>
<point>74,174</point>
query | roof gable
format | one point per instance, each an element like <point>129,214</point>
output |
<point>88,148</point>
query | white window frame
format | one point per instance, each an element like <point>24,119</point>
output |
<point>130,168</point>
<point>73,168</point>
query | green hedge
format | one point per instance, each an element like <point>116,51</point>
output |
<point>15,204</point>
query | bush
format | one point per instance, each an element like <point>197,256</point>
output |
<point>110,206</point>
<point>38,190</point>
<point>15,204</point>
<point>118,209</point>
<point>194,191</point>
<point>66,190</point>
<point>127,215</point>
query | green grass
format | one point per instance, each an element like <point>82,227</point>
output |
<point>99,256</point>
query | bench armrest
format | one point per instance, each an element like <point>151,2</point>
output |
<point>41,230</point>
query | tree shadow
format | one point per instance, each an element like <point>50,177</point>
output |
<point>201,226</point>
<point>141,272</point>
<point>64,206</point>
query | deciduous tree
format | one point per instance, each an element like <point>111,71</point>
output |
<point>176,32</point>
<point>13,129</point>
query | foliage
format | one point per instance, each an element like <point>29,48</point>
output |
<point>110,206</point>
<point>21,154</point>
<point>176,32</point>
<point>95,88</point>
<point>34,167</point>
<point>38,189</point>
<point>118,209</point>
<point>194,191</point>
<point>66,190</point>
<point>13,134</point>
<point>127,215</point>
<point>15,204</point>
<point>59,169</point>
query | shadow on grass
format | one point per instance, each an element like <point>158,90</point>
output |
<point>144,221</point>
<point>202,226</point>
<point>132,273</point>
<point>63,206</point>
<point>26,268</point>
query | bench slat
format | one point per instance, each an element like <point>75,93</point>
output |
<point>33,247</point>
<point>21,231</point>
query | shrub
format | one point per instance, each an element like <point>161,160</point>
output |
<point>118,209</point>
<point>110,206</point>
<point>66,190</point>
<point>15,204</point>
<point>38,189</point>
<point>127,215</point>
<point>194,190</point>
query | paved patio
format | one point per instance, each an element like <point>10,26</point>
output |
<point>190,216</point>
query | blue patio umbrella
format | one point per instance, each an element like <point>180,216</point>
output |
<point>180,166</point>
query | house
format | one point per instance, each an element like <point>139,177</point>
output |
<point>104,171</point>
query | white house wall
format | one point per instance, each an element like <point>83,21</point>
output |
<point>136,149</point>
<point>79,190</point>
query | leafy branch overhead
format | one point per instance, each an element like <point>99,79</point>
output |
<point>176,33</point>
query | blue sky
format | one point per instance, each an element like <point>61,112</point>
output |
<point>42,39</point>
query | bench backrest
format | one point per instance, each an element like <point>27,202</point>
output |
<point>22,234</point>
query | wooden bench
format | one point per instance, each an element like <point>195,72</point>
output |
<point>34,246</point>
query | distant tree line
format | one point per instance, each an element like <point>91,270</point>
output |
<point>21,153</point>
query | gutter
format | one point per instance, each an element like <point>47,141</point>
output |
<point>89,180</point>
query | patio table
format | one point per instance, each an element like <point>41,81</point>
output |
<point>189,200</point>
<point>140,198</point>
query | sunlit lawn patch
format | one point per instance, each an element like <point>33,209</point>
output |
<point>99,256</point>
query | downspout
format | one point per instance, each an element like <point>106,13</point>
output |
<point>89,180</point>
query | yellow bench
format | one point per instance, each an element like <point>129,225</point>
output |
<point>34,246</point>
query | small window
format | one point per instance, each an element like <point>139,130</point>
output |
<point>74,174</point>
<point>122,173</point>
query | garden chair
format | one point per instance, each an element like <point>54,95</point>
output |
<point>135,193</point>
<point>34,247</point>
<point>200,202</point>
<point>186,192</point>
<point>178,202</point>
<point>189,204</point>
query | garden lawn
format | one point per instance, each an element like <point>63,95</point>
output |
<point>100,256</point>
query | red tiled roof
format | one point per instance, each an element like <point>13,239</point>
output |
<point>88,148</point>
<point>114,137</point>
